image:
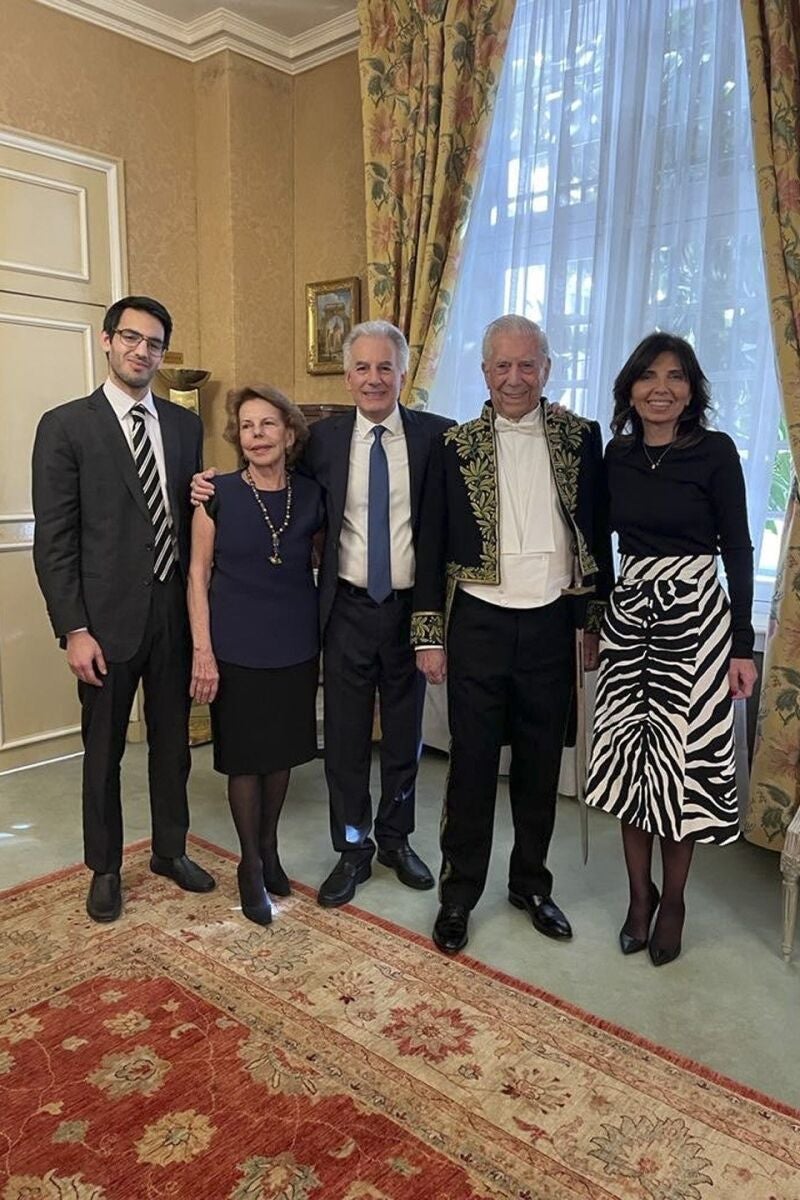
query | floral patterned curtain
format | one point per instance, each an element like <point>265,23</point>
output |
<point>772,36</point>
<point>429,72</point>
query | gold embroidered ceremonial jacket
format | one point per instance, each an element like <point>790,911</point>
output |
<point>460,526</point>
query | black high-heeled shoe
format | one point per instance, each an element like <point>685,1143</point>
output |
<point>259,912</point>
<point>276,881</point>
<point>630,944</point>
<point>660,954</point>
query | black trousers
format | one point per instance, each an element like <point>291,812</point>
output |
<point>367,650</point>
<point>509,680</point>
<point>163,664</point>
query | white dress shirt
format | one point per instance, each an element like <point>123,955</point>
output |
<point>536,559</point>
<point>353,537</point>
<point>122,404</point>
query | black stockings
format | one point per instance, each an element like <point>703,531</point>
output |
<point>273,794</point>
<point>638,847</point>
<point>256,802</point>
<point>676,858</point>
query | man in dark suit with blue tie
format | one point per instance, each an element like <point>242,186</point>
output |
<point>111,476</point>
<point>372,464</point>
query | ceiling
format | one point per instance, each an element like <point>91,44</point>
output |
<point>290,35</point>
<point>288,18</point>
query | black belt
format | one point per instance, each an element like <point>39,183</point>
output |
<point>362,593</point>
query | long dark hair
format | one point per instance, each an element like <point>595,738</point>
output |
<point>626,424</point>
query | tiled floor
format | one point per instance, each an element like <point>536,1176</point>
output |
<point>729,1001</point>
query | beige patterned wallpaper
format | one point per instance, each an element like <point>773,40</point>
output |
<point>262,163</point>
<point>241,185</point>
<point>73,82</point>
<point>216,275</point>
<point>330,237</point>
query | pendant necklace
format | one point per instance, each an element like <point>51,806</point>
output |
<point>658,461</point>
<point>275,534</point>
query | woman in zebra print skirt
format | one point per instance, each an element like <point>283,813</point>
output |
<point>674,652</point>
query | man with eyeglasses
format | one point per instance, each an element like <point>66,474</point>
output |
<point>111,476</point>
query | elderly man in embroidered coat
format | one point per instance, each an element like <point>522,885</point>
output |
<point>515,554</point>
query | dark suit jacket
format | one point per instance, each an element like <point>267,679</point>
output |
<point>327,458</point>
<point>93,539</point>
<point>461,536</point>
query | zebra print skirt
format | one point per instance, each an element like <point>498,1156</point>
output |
<point>663,750</point>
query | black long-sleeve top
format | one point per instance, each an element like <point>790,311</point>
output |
<point>693,502</point>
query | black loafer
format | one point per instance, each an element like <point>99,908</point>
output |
<point>408,866</point>
<point>450,929</point>
<point>184,872</point>
<point>104,901</point>
<point>340,886</point>
<point>547,917</point>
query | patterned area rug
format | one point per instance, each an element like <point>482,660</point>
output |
<point>185,1053</point>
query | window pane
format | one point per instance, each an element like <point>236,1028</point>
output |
<point>618,196</point>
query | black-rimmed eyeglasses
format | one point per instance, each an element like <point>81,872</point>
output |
<point>132,339</point>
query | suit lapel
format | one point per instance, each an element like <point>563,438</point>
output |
<point>115,444</point>
<point>341,435</point>
<point>416,446</point>
<point>170,437</point>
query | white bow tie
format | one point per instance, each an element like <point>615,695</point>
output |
<point>528,428</point>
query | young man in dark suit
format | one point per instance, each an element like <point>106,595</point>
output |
<point>111,475</point>
<point>372,464</point>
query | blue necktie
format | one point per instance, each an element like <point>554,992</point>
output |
<point>379,560</point>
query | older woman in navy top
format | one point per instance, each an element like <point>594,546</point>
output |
<point>253,611</point>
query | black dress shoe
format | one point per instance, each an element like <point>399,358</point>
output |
<point>340,886</point>
<point>450,929</point>
<point>185,873</point>
<point>254,900</point>
<point>630,944</point>
<point>276,881</point>
<point>547,917</point>
<point>408,866</point>
<point>104,901</point>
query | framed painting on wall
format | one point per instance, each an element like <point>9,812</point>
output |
<point>332,309</point>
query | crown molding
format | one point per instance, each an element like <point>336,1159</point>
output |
<point>218,30</point>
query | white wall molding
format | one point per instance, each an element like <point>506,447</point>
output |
<point>218,30</point>
<point>113,171</point>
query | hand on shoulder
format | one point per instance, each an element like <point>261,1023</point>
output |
<point>202,488</point>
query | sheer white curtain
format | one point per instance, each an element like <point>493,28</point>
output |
<point>618,196</point>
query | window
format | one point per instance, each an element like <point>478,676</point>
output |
<point>618,196</point>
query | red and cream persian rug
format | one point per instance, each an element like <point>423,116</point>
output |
<point>185,1053</point>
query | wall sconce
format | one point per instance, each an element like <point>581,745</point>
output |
<point>184,385</point>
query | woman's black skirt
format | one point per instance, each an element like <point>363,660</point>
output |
<point>264,718</point>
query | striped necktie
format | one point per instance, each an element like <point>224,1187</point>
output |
<point>164,558</point>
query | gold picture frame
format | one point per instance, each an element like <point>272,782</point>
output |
<point>332,309</point>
